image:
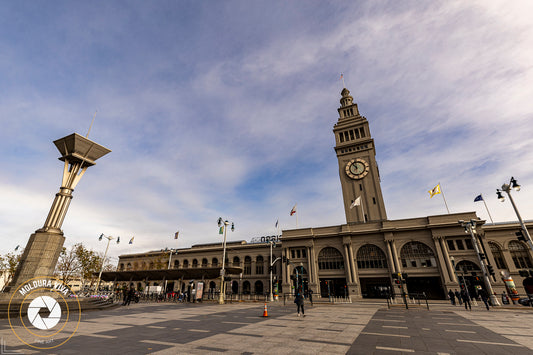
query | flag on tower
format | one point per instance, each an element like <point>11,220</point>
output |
<point>101,236</point>
<point>118,240</point>
<point>341,77</point>
<point>434,191</point>
<point>356,202</point>
<point>277,223</point>
<point>293,211</point>
<point>221,230</point>
<point>17,247</point>
<point>176,234</point>
<point>131,240</point>
<point>478,198</point>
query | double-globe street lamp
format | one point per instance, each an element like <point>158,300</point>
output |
<point>223,224</point>
<point>470,228</point>
<point>109,238</point>
<point>513,184</point>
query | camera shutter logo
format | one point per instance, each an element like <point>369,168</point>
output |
<point>48,322</point>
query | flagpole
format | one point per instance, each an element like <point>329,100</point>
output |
<point>444,198</point>
<point>487,208</point>
<point>363,211</point>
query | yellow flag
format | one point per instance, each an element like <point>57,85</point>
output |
<point>434,191</point>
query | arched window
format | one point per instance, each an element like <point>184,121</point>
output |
<point>194,263</point>
<point>416,254</point>
<point>204,262</point>
<point>330,259</point>
<point>498,256</point>
<point>259,267</point>
<point>370,256</point>
<point>121,266</point>
<point>128,267</point>
<point>236,261</point>
<point>247,266</point>
<point>185,263</point>
<point>520,255</point>
<point>258,288</point>
<point>214,262</point>
<point>176,264</point>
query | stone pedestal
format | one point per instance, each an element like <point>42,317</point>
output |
<point>39,258</point>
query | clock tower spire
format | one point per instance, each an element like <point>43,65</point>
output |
<point>358,170</point>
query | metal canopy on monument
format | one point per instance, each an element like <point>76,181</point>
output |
<point>169,274</point>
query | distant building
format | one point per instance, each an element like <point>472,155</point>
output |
<point>362,257</point>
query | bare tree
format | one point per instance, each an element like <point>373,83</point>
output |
<point>68,266</point>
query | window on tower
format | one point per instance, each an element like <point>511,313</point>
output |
<point>346,136</point>
<point>357,134</point>
<point>341,137</point>
<point>362,132</point>
<point>351,134</point>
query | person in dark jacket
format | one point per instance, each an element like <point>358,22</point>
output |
<point>458,296</point>
<point>451,295</point>
<point>466,299</point>
<point>485,298</point>
<point>299,300</point>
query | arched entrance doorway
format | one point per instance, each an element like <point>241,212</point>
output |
<point>258,288</point>
<point>331,273</point>
<point>235,287</point>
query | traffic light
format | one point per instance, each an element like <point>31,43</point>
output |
<point>520,236</point>
<point>397,281</point>
<point>394,275</point>
<point>482,256</point>
<point>405,276</point>
<point>284,259</point>
<point>490,269</point>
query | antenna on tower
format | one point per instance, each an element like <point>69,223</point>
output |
<point>342,78</point>
<point>91,126</point>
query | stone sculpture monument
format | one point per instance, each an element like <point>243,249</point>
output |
<point>44,246</point>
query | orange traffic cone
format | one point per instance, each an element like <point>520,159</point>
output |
<point>265,313</point>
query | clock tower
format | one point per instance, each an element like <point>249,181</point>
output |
<point>358,169</point>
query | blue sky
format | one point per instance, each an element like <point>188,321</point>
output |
<point>226,109</point>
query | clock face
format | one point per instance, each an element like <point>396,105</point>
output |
<point>357,168</point>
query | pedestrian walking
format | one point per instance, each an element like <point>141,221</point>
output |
<point>466,299</point>
<point>458,296</point>
<point>124,295</point>
<point>299,300</point>
<point>452,297</point>
<point>485,298</point>
<point>131,293</point>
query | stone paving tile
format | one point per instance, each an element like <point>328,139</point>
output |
<point>328,329</point>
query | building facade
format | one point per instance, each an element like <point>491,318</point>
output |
<point>362,257</point>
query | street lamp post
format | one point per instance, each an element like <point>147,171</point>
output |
<point>470,228</point>
<point>513,184</point>
<point>272,262</point>
<point>109,238</point>
<point>223,224</point>
<point>168,267</point>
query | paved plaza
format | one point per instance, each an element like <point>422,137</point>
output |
<point>239,328</point>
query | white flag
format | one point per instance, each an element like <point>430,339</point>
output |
<point>357,202</point>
